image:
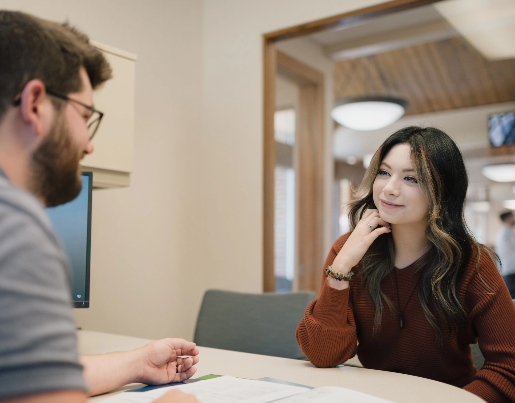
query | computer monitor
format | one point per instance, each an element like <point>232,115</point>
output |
<point>72,223</point>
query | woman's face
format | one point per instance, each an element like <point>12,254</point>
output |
<point>397,194</point>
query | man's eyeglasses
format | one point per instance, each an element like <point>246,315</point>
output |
<point>94,119</point>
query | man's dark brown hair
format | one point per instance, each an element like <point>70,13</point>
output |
<point>31,47</point>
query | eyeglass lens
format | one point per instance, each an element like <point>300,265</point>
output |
<point>93,123</point>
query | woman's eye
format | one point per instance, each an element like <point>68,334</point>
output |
<point>382,172</point>
<point>410,179</point>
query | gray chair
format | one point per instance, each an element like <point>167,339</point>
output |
<point>479,360</point>
<point>252,323</point>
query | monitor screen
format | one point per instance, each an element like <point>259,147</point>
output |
<point>501,129</point>
<point>72,223</point>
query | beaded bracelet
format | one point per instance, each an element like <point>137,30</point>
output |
<point>337,275</point>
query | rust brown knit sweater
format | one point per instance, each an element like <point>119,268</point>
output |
<point>338,319</point>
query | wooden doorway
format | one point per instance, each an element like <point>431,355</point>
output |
<point>310,227</point>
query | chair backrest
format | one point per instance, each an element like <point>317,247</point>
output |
<point>252,323</point>
<point>479,360</point>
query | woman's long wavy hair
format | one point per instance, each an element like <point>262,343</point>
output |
<point>442,175</point>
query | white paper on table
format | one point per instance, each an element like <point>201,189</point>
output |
<point>333,394</point>
<point>225,389</point>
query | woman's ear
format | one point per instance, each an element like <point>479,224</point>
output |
<point>35,107</point>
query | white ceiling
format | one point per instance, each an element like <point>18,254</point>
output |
<point>489,25</point>
<point>390,32</point>
<point>379,26</point>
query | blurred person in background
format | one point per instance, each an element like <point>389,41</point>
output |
<point>505,248</point>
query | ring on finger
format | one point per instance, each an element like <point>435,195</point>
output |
<point>369,226</point>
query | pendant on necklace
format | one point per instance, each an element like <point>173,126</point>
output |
<point>401,323</point>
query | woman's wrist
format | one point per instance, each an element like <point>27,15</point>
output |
<point>338,275</point>
<point>337,285</point>
<point>341,266</point>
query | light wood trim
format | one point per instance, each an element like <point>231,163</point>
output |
<point>309,142</point>
<point>269,166</point>
<point>309,168</point>
<point>345,19</point>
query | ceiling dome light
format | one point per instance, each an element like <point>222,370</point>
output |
<point>368,113</point>
<point>371,111</point>
<point>499,172</point>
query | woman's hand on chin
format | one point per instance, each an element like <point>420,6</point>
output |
<point>365,233</point>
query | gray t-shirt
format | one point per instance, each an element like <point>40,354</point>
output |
<point>38,344</point>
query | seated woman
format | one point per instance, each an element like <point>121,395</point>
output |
<point>409,288</point>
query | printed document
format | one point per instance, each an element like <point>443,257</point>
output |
<point>225,389</point>
<point>333,394</point>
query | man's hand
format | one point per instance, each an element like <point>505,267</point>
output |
<point>163,361</point>
<point>159,362</point>
<point>176,396</point>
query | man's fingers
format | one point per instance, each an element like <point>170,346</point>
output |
<point>184,364</point>
<point>186,375</point>
<point>183,352</point>
<point>192,352</point>
<point>195,359</point>
<point>181,345</point>
<point>176,396</point>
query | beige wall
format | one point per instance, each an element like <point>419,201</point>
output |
<point>177,230</point>
<point>144,237</point>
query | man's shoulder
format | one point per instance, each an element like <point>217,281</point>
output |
<point>26,236</point>
<point>19,206</point>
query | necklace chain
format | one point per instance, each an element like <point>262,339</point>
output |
<point>401,313</point>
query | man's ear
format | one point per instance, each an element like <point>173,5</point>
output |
<point>35,107</point>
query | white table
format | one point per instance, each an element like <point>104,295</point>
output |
<point>388,385</point>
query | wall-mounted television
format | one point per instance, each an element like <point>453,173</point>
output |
<point>501,129</point>
<point>72,223</point>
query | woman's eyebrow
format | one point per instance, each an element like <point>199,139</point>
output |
<point>404,170</point>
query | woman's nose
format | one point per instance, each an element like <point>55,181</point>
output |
<point>392,187</point>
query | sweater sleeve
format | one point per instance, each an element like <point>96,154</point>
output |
<point>492,315</point>
<point>327,333</point>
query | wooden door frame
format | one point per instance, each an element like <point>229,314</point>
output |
<point>270,63</point>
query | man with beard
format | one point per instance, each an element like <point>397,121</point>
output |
<point>47,120</point>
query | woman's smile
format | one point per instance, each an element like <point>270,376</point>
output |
<point>390,205</point>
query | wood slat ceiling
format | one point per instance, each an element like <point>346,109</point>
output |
<point>437,76</point>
